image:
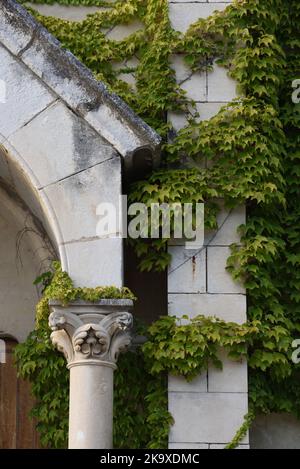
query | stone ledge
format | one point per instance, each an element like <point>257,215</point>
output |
<point>74,83</point>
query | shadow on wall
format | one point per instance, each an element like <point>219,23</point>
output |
<point>275,431</point>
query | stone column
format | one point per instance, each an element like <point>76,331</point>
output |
<point>91,336</point>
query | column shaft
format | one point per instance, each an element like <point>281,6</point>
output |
<point>91,407</point>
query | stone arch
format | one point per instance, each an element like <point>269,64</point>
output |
<point>66,141</point>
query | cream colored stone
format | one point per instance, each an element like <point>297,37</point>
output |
<point>227,307</point>
<point>207,417</point>
<point>219,279</point>
<point>232,378</point>
<point>187,272</point>
<point>58,143</point>
<point>220,86</point>
<point>25,95</point>
<point>91,336</point>
<point>65,12</point>
<point>180,384</point>
<point>188,446</point>
<point>184,14</point>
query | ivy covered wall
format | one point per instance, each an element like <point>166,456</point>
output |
<point>247,154</point>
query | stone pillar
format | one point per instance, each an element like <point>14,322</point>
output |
<point>210,409</point>
<point>91,336</point>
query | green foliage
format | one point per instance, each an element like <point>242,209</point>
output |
<point>61,288</point>
<point>242,431</point>
<point>248,153</point>
<point>69,2</point>
<point>186,346</point>
<point>171,187</point>
<point>141,417</point>
<point>46,370</point>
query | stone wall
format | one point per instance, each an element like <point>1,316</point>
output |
<point>209,410</point>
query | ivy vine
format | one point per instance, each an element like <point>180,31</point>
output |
<point>247,154</point>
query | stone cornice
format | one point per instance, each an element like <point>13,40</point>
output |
<point>69,79</point>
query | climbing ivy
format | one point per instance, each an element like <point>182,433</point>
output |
<point>248,153</point>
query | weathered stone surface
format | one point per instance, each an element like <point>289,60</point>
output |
<point>220,86</point>
<point>81,193</point>
<point>219,280</point>
<point>188,446</point>
<point>232,378</point>
<point>180,384</point>
<point>226,307</point>
<point>195,84</point>
<point>94,262</point>
<point>26,96</point>
<point>228,223</point>
<point>70,80</point>
<point>91,336</point>
<point>66,12</point>
<point>57,143</point>
<point>16,29</point>
<point>222,413</point>
<point>183,14</point>
<point>224,446</point>
<point>187,272</point>
<point>74,83</point>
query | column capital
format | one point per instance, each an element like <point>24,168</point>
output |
<point>91,333</point>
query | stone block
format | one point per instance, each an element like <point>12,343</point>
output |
<point>233,377</point>
<point>206,111</point>
<point>66,12</point>
<point>220,86</point>
<point>207,417</point>
<point>187,272</point>
<point>57,143</point>
<point>193,83</point>
<point>227,307</point>
<point>213,446</point>
<point>188,446</point>
<point>184,14</point>
<point>16,30</point>
<point>94,262</point>
<point>26,96</point>
<point>82,193</point>
<point>121,31</point>
<point>218,279</point>
<point>180,384</point>
<point>228,222</point>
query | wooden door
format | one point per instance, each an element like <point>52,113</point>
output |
<point>17,429</point>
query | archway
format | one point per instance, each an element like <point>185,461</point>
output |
<point>65,140</point>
